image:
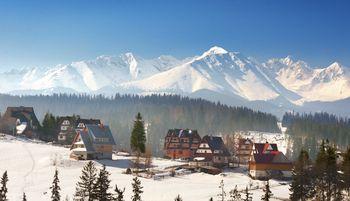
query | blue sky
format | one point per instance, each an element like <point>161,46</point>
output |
<point>45,33</point>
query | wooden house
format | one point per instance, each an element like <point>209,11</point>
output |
<point>212,148</point>
<point>244,150</point>
<point>93,142</point>
<point>267,162</point>
<point>20,121</point>
<point>181,143</point>
<point>68,126</point>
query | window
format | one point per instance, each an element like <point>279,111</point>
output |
<point>64,128</point>
<point>65,122</point>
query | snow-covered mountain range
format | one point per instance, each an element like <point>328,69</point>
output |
<point>216,74</point>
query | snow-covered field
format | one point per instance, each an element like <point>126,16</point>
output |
<point>31,166</point>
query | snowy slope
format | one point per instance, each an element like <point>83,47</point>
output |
<point>216,70</point>
<point>278,84</point>
<point>85,76</point>
<point>31,166</point>
<point>311,84</point>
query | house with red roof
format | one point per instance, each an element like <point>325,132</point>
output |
<point>267,162</point>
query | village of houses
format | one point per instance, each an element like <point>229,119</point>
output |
<point>90,139</point>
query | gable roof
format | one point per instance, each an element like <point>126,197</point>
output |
<point>100,131</point>
<point>93,132</point>
<point>216,143</point>
<point>88,121</point>
<point>260,148</point>
<point>268,153</point>
<point>182,133</point>
<point>24,114</point>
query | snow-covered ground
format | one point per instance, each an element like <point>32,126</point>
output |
<point>31,166</point>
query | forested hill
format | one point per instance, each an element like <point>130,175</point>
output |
<point>161,112</point>
<point>307,130</point>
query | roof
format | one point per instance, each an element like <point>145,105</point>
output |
<point>88,121</point>
<point>24,114</point>
<point>100,131</point>
<point>84,136</point>
<point>91,135</point>
<point>182,133</point>
<point>265,147</point>
<point>245,141</point>
<point>268,153</point>
<point>216,143</point>
<point>278,158</point>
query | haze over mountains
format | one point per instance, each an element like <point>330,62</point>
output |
<point>276,85</point>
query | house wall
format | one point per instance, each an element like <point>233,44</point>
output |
<point>262,166</point>
<point>179,153</point>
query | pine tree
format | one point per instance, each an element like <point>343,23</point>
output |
<point>320,172</point>
<point>24,198</point>
<point>302,183</point>
<point>3,189</point>
<point>85,187</point>
<point>119,194</point>
<point>136,189</point>
<point>178,198</point>
<point>211,199</point>
<point>235,195</point>
<point>102,185</point>
<point>248,195</point>
<point>267,192</point>
<point>222,193</point>
<point>345,167</point>
<point>55,188</point>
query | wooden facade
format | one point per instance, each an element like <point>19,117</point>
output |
<point>267,162</point>
<point>212,148</point>
<point>181,143</point>
<point>244,150</point>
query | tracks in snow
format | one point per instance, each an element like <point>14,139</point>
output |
<point>24,145</point>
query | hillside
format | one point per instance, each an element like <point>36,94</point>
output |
<point>159,112</point>
<point>33,175</point>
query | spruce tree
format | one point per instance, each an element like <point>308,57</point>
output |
<point>85,187</point>
<point>248,195</point>
<point>24,198</point>
<point>3,189</point>
<point>102,185</point>
<point>138,136</point>
<point>222,193</point>
<point>267,192</point>
<point>320,172</point>
<point>119,194</point>
<point>302,183</point>
<point>345,167</point>
<point>235,195</point>
<point>55,188</point>
<point>178,198</point>
<point>211,199</point>
<point>136,189</point>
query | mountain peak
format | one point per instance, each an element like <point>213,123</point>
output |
<point>288,60</point>
<point>214,51</point>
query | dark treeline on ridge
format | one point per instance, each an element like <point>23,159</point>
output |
<point>160,112</point>
<point>307,130</point>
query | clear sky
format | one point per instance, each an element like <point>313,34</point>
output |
<point>49,32</point>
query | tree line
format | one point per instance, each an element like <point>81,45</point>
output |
<point>161,112</point>
<point>326,178</point>
<point>308,130</point>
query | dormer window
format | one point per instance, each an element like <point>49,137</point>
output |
<point>81,125</point>
<point>65,122</point>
